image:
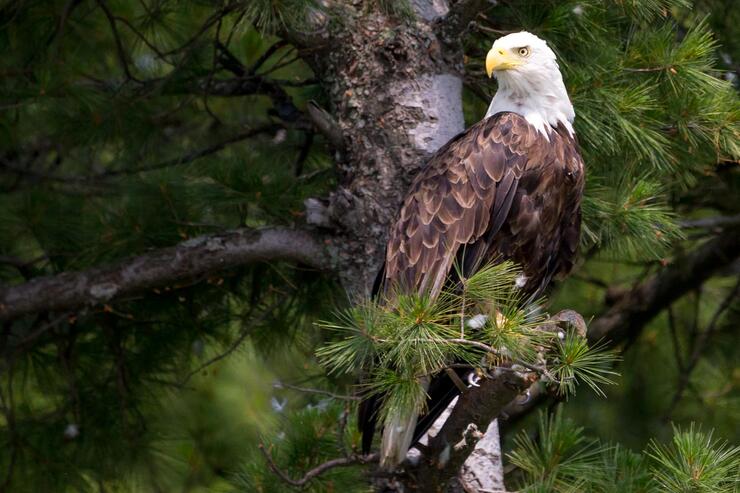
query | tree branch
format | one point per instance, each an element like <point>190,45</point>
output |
<point>715,222</point>
<point>189,259</point>
<point>634,309</point>
<point>112,173</point>
<point>475,409</point>
<point>698,348</point>
<point>332,395</point>
<point>318,470</point>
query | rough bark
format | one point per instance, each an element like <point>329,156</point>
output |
<point>396,97</point>
<point>449,449</point>
<point>190,259</point>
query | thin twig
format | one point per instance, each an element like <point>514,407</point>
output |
<point>699,345</point>
<point>536,368</point>
<point>279,385</point>
<point>318,470</point>
<point>140,35</point>
<point>674,338</point>
<point>117,38</point>
<point>234,345</point>
<point>266,55</point>
<point>710,222</point>
<point>647,69</point>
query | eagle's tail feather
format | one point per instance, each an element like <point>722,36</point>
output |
<point>397,436</point>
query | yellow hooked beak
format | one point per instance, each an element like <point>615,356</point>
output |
<point>498,59</point>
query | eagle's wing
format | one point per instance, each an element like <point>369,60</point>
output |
<point>483,194</point>
<point>464,194</point>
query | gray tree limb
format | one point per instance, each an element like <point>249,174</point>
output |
<point>187,260</point>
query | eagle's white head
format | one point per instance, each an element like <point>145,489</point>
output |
<point>529,82</point>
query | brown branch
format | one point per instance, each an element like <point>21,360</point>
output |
<point>326,124</point>
<point>116,36</point>
<point>318,470</point>
<point>449,449</point>
<point>187,260</point>
<point>634,309</point>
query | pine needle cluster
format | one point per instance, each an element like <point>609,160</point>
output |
<point>564,460</point>
<point>403,340</point>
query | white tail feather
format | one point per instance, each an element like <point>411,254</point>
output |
<point>397,435</point>
<point>398,432</point>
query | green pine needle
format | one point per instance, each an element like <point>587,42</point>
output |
<point>695,462</point>
<point>576,363</point>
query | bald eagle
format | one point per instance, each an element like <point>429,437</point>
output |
<point>507,188</point>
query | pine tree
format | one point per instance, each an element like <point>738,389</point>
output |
<point>194,197</point>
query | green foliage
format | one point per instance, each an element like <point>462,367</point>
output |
<point>695,462</point>
<point>400,341</point>
<point>577,363</point>
<point>562,459</point>
<point>276,15</point>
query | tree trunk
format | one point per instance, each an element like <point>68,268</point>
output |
<point>396,99</point>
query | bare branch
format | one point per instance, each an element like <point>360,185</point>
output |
<point>119,45</point>
<point>281,385</point>
<point>326,124</point>
<point>715,222</point>
<point>634,309</point>
<point>234,345</point>
<point>183,159</point>
<point>318,470</point>
<point>698,348</point>
<point>189,259</point>
<point>266,55</point>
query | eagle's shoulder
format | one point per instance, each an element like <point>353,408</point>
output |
<point>465,190</point>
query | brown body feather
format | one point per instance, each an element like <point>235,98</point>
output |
<point>498,191</point>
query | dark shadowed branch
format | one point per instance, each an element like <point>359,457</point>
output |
<point>96,178</point>
<point>187,260</point>
<point>636,307</point>
<point>698,348</point>
<point>469,419</point>
<point>318,470</point>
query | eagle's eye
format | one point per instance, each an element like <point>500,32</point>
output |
<point>523,51</point>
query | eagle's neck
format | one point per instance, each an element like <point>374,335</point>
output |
<point>538,94</point>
